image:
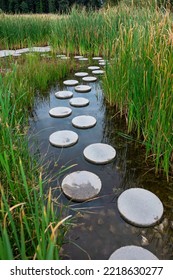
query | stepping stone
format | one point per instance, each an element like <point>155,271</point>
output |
<point>83,59</point>
<point>102,60</point>
<point>89,79</point>
<point>99,153</point>
<point>140,207</point>
<point>81,74</point>
<point>78,56</point>
<point>70,82</point>
<point>63,94</point>
<point>63,138</point>
<point>84,121</point>
<point>60,112</point>
<point>79,102</point>
<point>81,185</point>
<point>97,58</point>
<point>82,88</point>
<point>98,72</point>
<point>132,253</point>
<point>102,63</point>
<point>93,67</point>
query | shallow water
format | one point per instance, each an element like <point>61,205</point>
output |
<point>98,228</point>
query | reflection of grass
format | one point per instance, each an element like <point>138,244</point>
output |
<point>30,228</point>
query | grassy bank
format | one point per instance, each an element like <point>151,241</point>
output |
<point>30,226</point>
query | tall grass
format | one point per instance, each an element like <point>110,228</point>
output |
<point>30,226</point>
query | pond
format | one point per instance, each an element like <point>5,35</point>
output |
<point>98,229</point>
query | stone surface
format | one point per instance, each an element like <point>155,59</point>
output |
<point>84,121</point>
<point>63,94</point>
<point>99,153</point>
<point>79,102</point>
<point>140,207</point>
<point>70,82</point>
<point>83,59</point>
<point>81,74</point>
<point>82,88</point>
<point>98,72</point>
<point>132,253</point>
<point>81,185</point>
<point>89,79</point>
<point>4,53</point>
<point>97,58</point>
<point>102,63</point>
<point>78,56</point>
<point>60,112</point>
<point>93,67</point>
<point>63,138</point>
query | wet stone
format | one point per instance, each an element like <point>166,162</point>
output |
<point>63,138</point>
<point>140,207</point>
<point>93,67</point>
<point>132,253</point>
<point>70,82</point>
<point>81,74</point>
<point>64,94</point>
<point>81,185</point>
<point>89,79</point>
<point>82,88</point>
<point>79,102</point>
<point>60,112</point>
<point>98,72</point>
<point>84,121</point>
<point>99,153</point>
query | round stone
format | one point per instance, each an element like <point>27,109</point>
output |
<point>99,153</point>
<point>140,207</point>
<point>81,185</point>
<point>132,253</point>
<point>82,88</point>
<point>84,121</point>
<point>81,74</point>
<point>63,138</point>
<point>98,72</point>
<point>83,59</point>
<point>78,56</point>
<point>93,67</point>
<point>60,112</point>
<point>89,79</point>
<point>79,102</point>
<point>70,82</point>
<point>97,58</point>
<point>63,94</point>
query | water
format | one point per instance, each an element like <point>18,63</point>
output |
<point>98,228</point>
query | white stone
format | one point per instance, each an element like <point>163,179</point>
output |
<point>5,53</point>
<point>81,185</point>
<point>84,121</point>
<point>98,72</point>
<point>41,49</point>
<point>132,253</point>
<point>82,88</point>
<point>99,153</point>
<point>79,102</point>
<point>70,82</point>
<point>63,138</point>
<point>102,63</point>
<point>93,67</point>
<point>63,94</point>
<point>83,59</point>
<point>78,56</point>
<point>60,112</point>
<point>140,207</point>
<point>24,50</point>
<point>97,58</point>
<point>81,74</point>
<point>89,79</point>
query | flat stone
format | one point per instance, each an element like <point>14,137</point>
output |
<point>132,253</point>
<point>97,58</point>
<point>79,102</point>
<point>140,207</point>
<point>102,63</point>
<point>81,185</point>
<point>70,82</point>
<point>84,121</point>
<point>17,54</point>
<point>89,79</point>
<point>24,50</point>
<point>4,53</point>
<point>98,72</point>
<point>81,74</point>
<point>82,88</point>
<point>78,56</point>
<point>93,67</point>
<point>60,112</point>
<point>63,138</point>
<point>99,153</point>
<point>83,59</point>
<point>63,94</point>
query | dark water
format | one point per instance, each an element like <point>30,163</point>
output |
<point>98,229</point>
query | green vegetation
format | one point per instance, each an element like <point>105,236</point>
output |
<point>30,226</point>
